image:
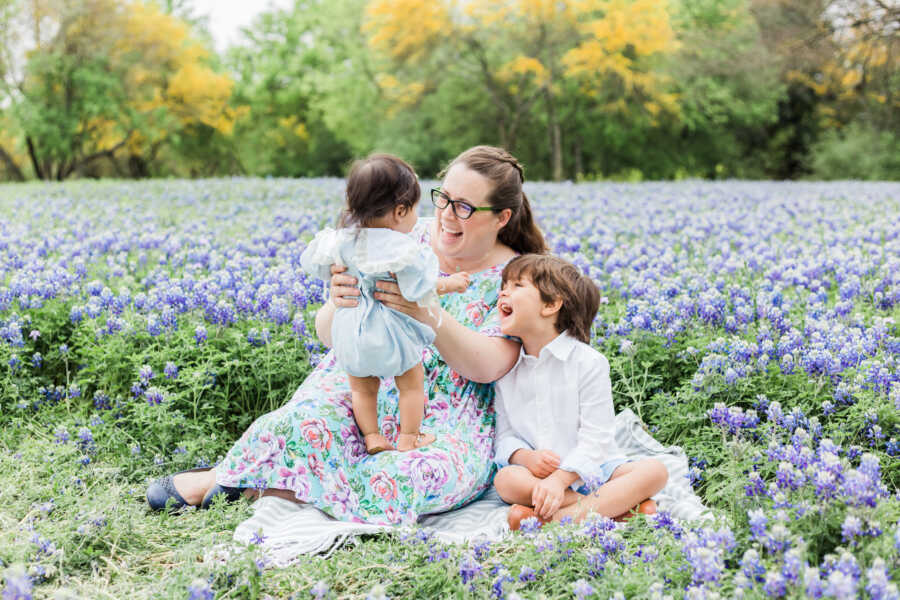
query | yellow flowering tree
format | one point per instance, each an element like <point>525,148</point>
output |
<point>107,79</point>
<point>530,56</point>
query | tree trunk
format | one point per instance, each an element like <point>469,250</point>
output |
<point>555,135</point>
<point>11,167</point>
<point>35,163</point>
<point>579,165</point>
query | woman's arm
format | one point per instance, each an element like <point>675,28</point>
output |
<point>473,355</point>
<point>341,287</point>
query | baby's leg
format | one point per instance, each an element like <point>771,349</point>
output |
<point>364,394</point>
<point>411,390</point>
<point>630,484</point>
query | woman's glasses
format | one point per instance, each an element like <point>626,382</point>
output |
<point>461,209</point>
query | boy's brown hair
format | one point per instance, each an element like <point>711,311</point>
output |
<point>558,279</point>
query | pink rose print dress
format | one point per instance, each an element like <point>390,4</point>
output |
<point>312,446</point>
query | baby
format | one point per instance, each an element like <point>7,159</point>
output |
<point>371,341</point>
<point>555,439</point>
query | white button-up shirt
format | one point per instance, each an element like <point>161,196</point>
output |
<point>560,400</point>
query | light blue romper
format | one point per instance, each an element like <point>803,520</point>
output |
<point>372,339</point>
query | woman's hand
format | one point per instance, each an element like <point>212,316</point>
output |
<point>343,288</point>
<point>388,293</point>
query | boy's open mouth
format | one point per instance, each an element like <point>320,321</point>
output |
<point>505,309</point>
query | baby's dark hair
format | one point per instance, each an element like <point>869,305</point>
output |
<point>375,185</point>
<point>558,279</point>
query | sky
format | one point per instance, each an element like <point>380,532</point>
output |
<point>226,17</point>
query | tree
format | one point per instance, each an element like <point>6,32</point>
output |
<point>529,56</point>
<point>110,80</point>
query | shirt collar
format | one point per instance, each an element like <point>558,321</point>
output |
<point>561,347</point>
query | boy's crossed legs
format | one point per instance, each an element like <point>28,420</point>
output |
<point>410,389</point>
<point>630,484</point>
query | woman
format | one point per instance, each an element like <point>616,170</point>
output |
<point>310,449</point>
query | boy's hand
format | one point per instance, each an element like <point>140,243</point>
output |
<point>541,463</point>
<point>547,496</point>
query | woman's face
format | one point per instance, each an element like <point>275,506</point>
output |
<point>467,239</point>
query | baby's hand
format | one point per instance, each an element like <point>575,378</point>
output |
<point>542,463</point>
<point>458,282</point>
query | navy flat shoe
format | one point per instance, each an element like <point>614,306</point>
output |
<point>159,492</point>
<point>231,494</point>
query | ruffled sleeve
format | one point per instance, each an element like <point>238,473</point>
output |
<point>321,253</point>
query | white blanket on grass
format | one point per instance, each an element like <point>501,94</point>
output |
<point>292,529</point>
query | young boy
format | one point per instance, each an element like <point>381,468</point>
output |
<point>555,438</point>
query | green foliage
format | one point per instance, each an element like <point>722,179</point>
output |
<point>858,151</point>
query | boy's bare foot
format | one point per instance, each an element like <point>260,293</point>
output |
<point>411,441</point>
<point>647,507</point>
<point>193,486</point>
<point>376,442</point>
<point>518,513</point>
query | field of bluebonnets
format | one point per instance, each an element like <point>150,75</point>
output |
<point>143,326</point>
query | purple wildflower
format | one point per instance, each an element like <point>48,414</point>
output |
<point>582,589</point>
<point>469,568</point>
<point>171,370</point>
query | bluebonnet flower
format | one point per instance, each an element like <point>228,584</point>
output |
<point>851,528</point>
<point>14,363</point>
<point>64,350</point>
<point>320,590</point>
<point>171,370</point>
<point>200,334</point>
<point>530,525</point>
<point>101,401</point>
<point>774,585</point>
<point>502,577</point>
<point>596,562</point>
<point>469,568</point>
<point>758,521</point>
<point>34,335</point>
<point>154,396</point>
<point>257,538</point>
<point>840,586</point>
<point>526,573</point>
<point>582,589</point>
<point>793,566</point>
<point>61,436</point>
<point>481,550</point>
<point>37,360</point>
<point>200,590</point>
<point>879,586</point>
<point>145,373</point>
<point>751,566</point>
<point>18,585</point>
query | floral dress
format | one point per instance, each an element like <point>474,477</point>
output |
<point>312,445</point>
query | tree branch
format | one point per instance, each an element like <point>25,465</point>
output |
<point>11,166</point>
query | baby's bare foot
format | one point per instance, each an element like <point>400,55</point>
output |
<point>411,441</point>
<point>375,443</point>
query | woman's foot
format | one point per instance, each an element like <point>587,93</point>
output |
<point>411,441</point>
<point>193,486</point>
<point>376,442</point>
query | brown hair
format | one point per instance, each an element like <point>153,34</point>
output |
<point>558,279</point>
<point>375,185</point>
<point>503,170</point>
